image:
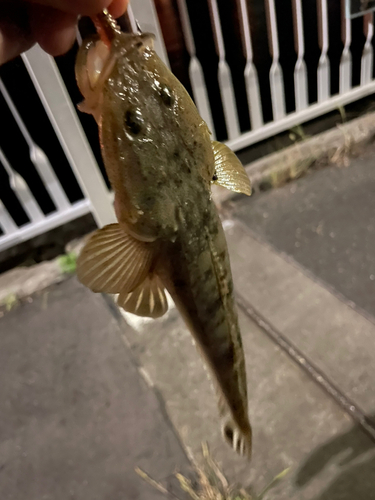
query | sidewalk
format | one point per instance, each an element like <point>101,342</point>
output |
<point>76,416</point>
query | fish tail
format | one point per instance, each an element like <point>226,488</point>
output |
<point>240,441</point>
<point>239,437</point>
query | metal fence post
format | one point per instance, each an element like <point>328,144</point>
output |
<point>59,108</point>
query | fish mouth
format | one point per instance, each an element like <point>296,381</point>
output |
<point>94,65</point>
<point>95,62</point>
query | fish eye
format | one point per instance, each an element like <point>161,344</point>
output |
<point>133,121</point>
<point>166,94</point>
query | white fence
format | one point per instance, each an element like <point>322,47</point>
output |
<point>38,222</point>
<point>58,106</point>
<point>304,110</point>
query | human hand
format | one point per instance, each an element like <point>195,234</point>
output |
<point>51,23</point>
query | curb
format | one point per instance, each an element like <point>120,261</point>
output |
<point>21,282</point>
<point>333,146</point>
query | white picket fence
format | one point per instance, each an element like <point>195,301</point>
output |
<point>62,115</point>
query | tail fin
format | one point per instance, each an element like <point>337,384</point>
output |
<point>238,436</point>
<point>241,442</point>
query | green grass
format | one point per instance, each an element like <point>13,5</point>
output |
<point>10,301</point>
<point>68,263</point>
<point>297,133</point>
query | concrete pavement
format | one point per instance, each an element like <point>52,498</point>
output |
<point>76,416</point>
<point>326,222</point>
<point>292,417</point>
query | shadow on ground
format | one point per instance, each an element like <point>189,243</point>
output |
<point>355,479</point>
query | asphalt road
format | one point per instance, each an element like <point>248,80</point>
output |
<point>326,222</point>
<point>76,417</point>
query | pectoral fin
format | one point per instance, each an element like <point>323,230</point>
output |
<point>229,171</point>
<point>113,261</point>
<point>148,299</point>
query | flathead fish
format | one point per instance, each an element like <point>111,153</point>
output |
<point>161,163</point>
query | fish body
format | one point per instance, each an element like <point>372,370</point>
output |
<point>161,163</point>
<point>198,277</point>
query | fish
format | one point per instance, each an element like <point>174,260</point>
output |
<point>161,163</point>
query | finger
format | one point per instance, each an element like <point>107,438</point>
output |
<point>15,33</point>
<point>86,7</point>
<point>55,31</point>
<point>118,7</point>
<point>83,7</point>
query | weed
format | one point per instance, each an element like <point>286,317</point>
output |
<point>211,483</point>
<point>68,263</point>
<point>10,301</point>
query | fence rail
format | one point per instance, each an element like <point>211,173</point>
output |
<point>13,234</point>
<point>304,109</point>
<point>240,81</point>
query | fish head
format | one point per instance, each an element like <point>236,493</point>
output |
<point>95,62</point>
<point>155,145</point>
